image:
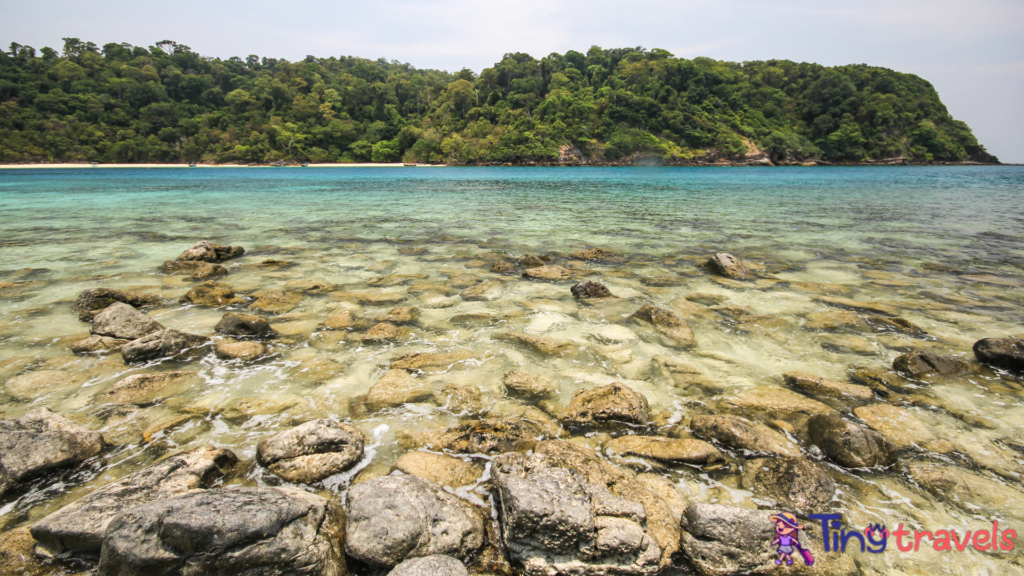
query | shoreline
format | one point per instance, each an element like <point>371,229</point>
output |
<point>51,166</point>
<point>151,165</point>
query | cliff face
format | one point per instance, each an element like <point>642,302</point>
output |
<point>165,103</point>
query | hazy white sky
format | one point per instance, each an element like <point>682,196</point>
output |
<point>973,52</point>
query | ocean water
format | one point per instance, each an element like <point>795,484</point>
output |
<point>942,246</point>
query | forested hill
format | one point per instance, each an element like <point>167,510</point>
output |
<point>165,103</point>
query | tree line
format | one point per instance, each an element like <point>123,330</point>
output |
<point>166,103</point>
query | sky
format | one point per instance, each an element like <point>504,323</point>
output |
<point>972,52</point>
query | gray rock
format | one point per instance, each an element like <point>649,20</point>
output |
<point>797,484</point>
<point>554,522</point>
<point>167,343</point>
<point>613,405</point>
<point>312,451</point>
<point>588,289</point>
<point>78,527</point>
<point>667,324</point>
<point>740,433</point>
<point>204,251</point>
<point>207,271</point>
<point>850,445</point>
<point>487,436</point>
<point>725,264</point>
<point>230,531</point>
<point>1005,353</point>
<point>720,539</point>
<point>120,320</point>
<point>94,300</point>
<point>529,386</point>
<point>917,363</point>
<point>41,441</point>
<point>394,518</point>
<point>98,345</point>
<point>436,565</point>
<point>244,326</point>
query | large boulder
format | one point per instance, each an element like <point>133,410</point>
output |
<point>312,451</point>
<point>204,251</point>
<point>1005,353</point>
<point>720,539</point>
<point>727,265</point>
<point>667,324</point>
<point>742,434</point>
<point>124,322</point>
<point>94,300</point>
<point>168,343</point>
<point>440,469</point>
<point>243,326</point>
<point>614,405</point>
<point>794,483</point>
<point>78,527</point>
<point>917,363</point>
<point>228,532</point>
<point>394,518</point>
<point>554,522</point>
<point>436,565</point>
<point>850,445</point>
<point>41,441</point>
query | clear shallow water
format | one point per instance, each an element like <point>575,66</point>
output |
<point>945,246</point>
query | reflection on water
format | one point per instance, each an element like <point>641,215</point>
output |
<point>941,246</point>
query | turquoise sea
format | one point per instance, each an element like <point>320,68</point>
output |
<point>832,253</point>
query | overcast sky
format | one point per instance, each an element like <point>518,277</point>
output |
<point>972,52</point>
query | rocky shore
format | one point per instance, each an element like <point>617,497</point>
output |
<point>535,467</point>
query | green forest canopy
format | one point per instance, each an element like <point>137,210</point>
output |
<point>165,103</point>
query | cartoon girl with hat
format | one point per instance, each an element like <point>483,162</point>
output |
<point>787,537</point>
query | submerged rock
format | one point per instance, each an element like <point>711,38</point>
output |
<point>98,345</point>
<point>383,332</point>
<point>593,254</point>
<point>244,351</point>
<point>95,300</point>
<point>606,406</point>
<point>167,343</point>
<point>688,451</point>
<point>816,386</point>
<point>394,388</point>
<point>1005,353</point>
<point>244,326</point>
<point>79,527</point>
<point>41,441</point>
<point>434,565</point>
<point>486,290</point>
<point>32,385</point>
<point>850,445</point>
<point>727,265</point>
<point>312,451</point>
<point>401,316</point>
<point>212,295</point>
<point>897,424</point>
<point>547,346</point>
<point>487,436</point>
<point>145,388</point>
<point>588,289</point>
<point>394,518</point>
<point>841,302</point>
<point>123,322</point>
<point>547,273</point>
<point>276,302</point>
<point>503,267</point>
<point>742,434</point>
<point>666,323</point>
<point>917,364</point>
<point>966,489</point>
<point>529,386</point>
<point>207,271</point>
<point>438,468</point>
<point>796,483</point>
<point>204,251</point>
<point>232,531</point>
<point>775,402</point>
<point>580,460</point>
<point>344,320</point>
<point>430,361</point>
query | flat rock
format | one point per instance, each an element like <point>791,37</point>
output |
<point>795,483</point>
<point>232,531</point>
<point>613,405</point>
<point>430,361</point>
<point>816,386</point>
<point>312,451</point>
<point>503,267</point>
<point>79,526</point>
<point>177,267</point>
<point>614,333</point>
<point>395,518</point>
<point>382,332</point>
<point>897,424</point>
<point>832,320</point>
<point>580,460</point>
<point>98,345</point>
<point>32,385</point>
<point>727,265</point>
<point>395,280</point>
<point>93,301</point>
<point>204,251</point>
<point>121,321</point>
<point>916,364</point>
<point>874,308</point>
<point>276,302</point>
<point>207,271</point>
<point>370,298</point>
<point>212,295</point>
<point>146,388</point>
<point>309,285</point>
<point>435,565</point>
<point>167,343</point>
<point>541,344</point>
<point>850,445</point>
<point>552,273</point>
<point>682,374</point>
<point>1005,353</point>
<point>719,539</point>
<point>529,386</point>
<point>440,469</point>
<point>593,254</point>
<point>688,451</point>
<point>486,290</point>
<point>742,434</point>
<point>881,380</point>
<point>849,344</point>
<point>344,320</point>
<point>487,436</point>
<point>775,402</point>
<point>40,441</point>
<point>245,326</point>
<point>666,323</point>
<point>401,316</point>
<point>245,351</point>
<point>966,489</point>
<point>394,388</point>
